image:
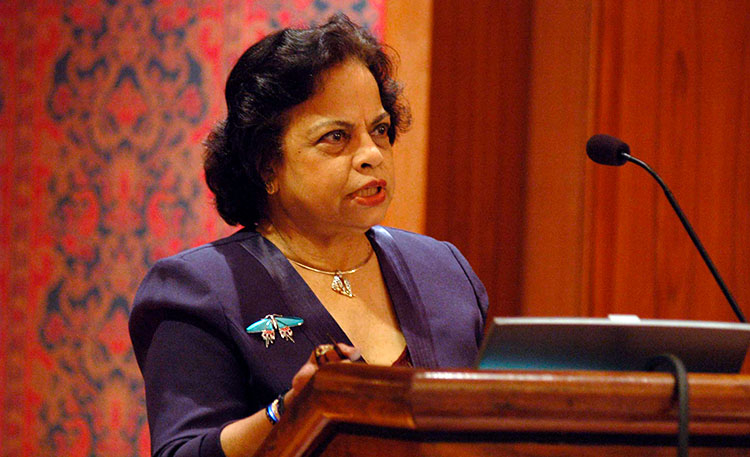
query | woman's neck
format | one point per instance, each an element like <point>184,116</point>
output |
<point>330,251</point>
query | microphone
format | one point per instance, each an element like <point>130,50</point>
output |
<point>608,150</point>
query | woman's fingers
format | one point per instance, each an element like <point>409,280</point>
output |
<point>322,354</point>
<point>326,353</point>
<point>350,352</point>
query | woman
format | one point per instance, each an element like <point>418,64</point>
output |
<point>225,333</point>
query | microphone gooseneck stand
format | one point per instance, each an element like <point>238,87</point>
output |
<point>608,150</point>
<point>693,236</point>
<point>612,151</point>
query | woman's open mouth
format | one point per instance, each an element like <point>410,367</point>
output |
<point>367,192</point>
<point>371,195</point>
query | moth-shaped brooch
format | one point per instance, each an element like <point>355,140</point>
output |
<point>268,325</point>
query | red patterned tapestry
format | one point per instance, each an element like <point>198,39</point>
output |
<point>103,108</point>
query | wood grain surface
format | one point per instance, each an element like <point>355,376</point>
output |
<point>366,410</point>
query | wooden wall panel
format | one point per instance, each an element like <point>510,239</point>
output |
<point>553,233</point>
<point>408,29</point>
<point>517,88</point>
<point>477,137</point>
<point>619,273</point>
<point>672,82</point>
<point>679,106</point>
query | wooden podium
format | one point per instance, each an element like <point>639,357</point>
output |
<point>360,410</point>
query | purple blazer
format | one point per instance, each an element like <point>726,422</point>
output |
<point>202,370</point>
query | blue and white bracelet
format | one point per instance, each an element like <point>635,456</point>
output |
<point>275,409</point>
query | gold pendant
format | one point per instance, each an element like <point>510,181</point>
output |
<point>341,285</point>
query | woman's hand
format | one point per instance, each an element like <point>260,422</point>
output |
<point>245,436</point>
<point>323,354</point>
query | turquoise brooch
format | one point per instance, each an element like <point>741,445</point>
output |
<point>268,325</point>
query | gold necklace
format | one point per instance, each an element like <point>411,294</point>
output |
<point>339,283</point>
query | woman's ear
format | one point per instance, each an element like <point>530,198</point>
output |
<point>271,183</point>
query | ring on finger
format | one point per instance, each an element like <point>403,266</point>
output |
<point>321,351</point>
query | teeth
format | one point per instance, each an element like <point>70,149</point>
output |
<point>369,192</point>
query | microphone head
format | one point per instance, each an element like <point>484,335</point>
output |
<point>607,150</point>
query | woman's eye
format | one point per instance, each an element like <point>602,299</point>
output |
<point>336,136</point>
<point>382,129</point>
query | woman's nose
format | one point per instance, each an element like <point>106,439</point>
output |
<point>368,155</point>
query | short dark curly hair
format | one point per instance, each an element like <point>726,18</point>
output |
<point>271,77</point>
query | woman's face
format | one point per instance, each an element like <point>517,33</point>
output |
<point>336,173</point>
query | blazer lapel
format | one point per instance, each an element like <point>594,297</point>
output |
<point>405,297</point>
<point>298,299</point>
